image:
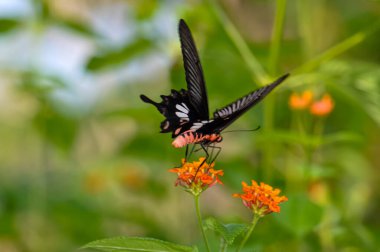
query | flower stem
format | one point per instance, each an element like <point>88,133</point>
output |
<point>257,70</point>
<point>256,218</point>
<point>196,199</point>
<point>269,108</point>
<point>223,245</point>
<point>277,32</point>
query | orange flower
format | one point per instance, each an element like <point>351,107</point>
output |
<point>261,199</point>
<point>94,183</point>
<point>300,102</point>
<point>195,178</point>
<point>322,107</point>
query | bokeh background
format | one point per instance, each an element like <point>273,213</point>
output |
<point>81,157</point>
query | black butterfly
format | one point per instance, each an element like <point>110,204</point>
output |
<point>186,111</point>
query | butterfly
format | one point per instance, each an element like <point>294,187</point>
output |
<point>186,112</point>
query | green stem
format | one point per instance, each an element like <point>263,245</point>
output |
<point>257,70</point>
<point>223,245</point>
<point>277,32</point>
<point>340,48</point>
<point>248,234</point>
<point>312,150</point>
<point>196,199</point>
<point>269,106</point>
<point>268,151</point>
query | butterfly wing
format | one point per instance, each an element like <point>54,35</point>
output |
<point>177,109</point>
<point>182,108</point>
<point>225,116</point>
<point>194,74</point>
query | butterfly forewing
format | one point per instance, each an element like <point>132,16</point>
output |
<point>194,73</point>
<point>234,110</point>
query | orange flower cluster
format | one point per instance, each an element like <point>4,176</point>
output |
<point>322,107</point>
<point>261,199</point>
<point>304,101</point>
<point>301,102</point>
<point>195,177</point>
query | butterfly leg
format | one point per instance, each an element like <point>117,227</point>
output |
<point>218,150</point>
<point>207,156</point>
<point>187,153</point>
<point>205,148</point>
<point>212,152</point>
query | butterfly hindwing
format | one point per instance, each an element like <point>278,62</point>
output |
<point>177,109</point>
<point>194,74</point>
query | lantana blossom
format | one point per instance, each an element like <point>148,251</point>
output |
<point>322,107</point>
<point>300,101</point>
<point>197,176</point>
<point>261,199</point>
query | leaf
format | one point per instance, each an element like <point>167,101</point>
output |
<point>7,25</point>
<point>75,26</point>
<point>128,244</point>
<point>228,231</point>
<point>56,128</point>
<point>145,9</point>
<point>283,136</point>
<point>116,57</point>
<point>39,85</point>
<point>358,83</point>
<point>299,215</point>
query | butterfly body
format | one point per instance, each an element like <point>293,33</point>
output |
<point>186,112</point>
<point>193,137</point>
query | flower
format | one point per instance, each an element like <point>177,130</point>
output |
<point>133,178</point>
<point>300,102</point>
<point>261,199</point>
<point>319,192</point>
<point>94,183</point>
<point>322,107</point>
<point>197,176</point>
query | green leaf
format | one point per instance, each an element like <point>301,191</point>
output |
<point>338,49</point>
<point>228,231</point>
<point>128,244</point>
<point>75,26</point>
<point>299,215</point>
<point>283,136</point>
<point>56,128</point>
<point>7,25</point>
<point>112,58</point>
<point>145,9</point>
<point>39,85</point>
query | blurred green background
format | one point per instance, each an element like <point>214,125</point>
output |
<point>81,157</point>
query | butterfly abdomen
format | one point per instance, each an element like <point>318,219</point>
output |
<point>191,137</point>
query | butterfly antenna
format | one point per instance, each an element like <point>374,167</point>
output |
<point>255,129</point>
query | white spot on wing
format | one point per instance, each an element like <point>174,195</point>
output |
<point>182,108</point>
<point>196,125</point>
<point>184,105</point>
<point>181,115</point>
